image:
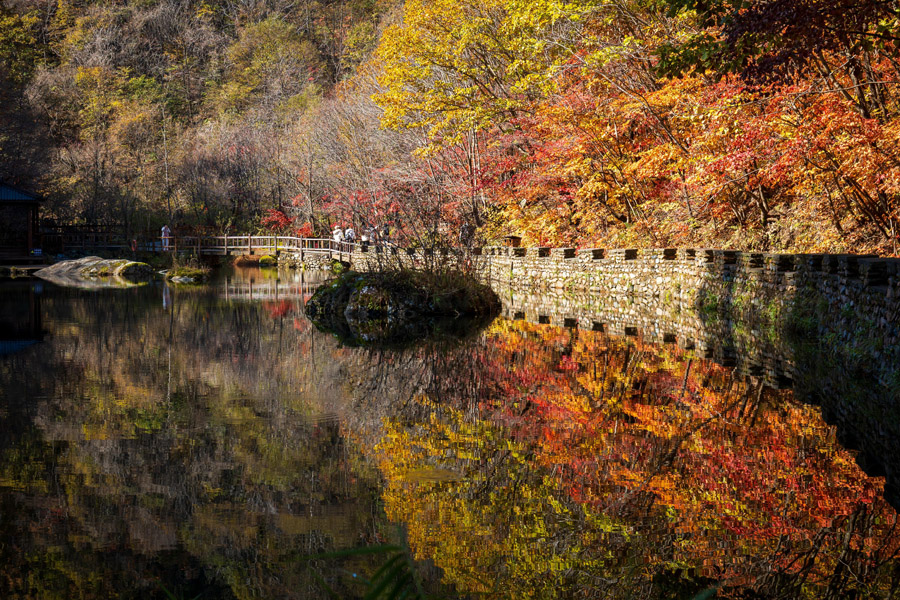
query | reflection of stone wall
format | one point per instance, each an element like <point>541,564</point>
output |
<point>720,300</point>
<point>655,320</point>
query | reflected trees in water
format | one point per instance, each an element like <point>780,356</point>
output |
<point>210,444</point>
<point>620,469</point>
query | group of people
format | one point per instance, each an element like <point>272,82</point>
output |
<point>369,234</point>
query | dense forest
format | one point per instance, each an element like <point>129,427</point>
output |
<point>764,124</point>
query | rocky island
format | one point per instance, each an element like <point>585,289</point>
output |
<point>395,308</point>
<point>96,272</point>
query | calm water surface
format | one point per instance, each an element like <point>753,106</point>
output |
<point>206,441</point>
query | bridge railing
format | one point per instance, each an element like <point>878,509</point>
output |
<point>200,244</point>
<point>225,244</point>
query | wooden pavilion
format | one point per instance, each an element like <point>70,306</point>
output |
<point>19,234</point>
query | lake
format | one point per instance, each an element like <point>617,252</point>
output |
<point>209,442</point>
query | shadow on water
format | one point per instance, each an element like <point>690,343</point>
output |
<point>20,316</point>
<point>845,367</point>
<point>384,333</point>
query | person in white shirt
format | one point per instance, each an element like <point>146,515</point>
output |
<point>338,234</point>
<point>166,236</point>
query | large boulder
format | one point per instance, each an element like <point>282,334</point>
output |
<point>93,272</point>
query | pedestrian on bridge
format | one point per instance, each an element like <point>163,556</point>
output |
<point>466,234</point>
<point>166,236</point>
<point>338,234</point>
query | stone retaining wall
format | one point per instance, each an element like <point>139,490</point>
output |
<point>308,261</point>
<point>684,279</point>
<point>735,307</point>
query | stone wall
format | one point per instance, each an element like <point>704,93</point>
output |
<point>734,307</point>
<point>308,261</point>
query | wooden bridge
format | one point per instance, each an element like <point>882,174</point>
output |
<point>221,245</point>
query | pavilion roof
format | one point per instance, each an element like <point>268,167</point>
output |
<point>9,194</point>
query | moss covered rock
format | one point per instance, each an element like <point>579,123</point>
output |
<point>339,266</point>
<point>93,271</point>
<point>187,274</point>
<point>400,307</point>
<point>134,271</point>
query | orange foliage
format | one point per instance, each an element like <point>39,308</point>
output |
<point>692,470</point>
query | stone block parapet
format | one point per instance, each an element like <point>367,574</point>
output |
<point>730,294</point>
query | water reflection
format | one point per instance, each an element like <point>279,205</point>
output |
<point>549,462</point>
<point>143,450</point>
<point>206,445</point>
<point>20,317</point>
<point>254,284</point>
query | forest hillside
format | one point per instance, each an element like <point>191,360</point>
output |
<point>751,124</point>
